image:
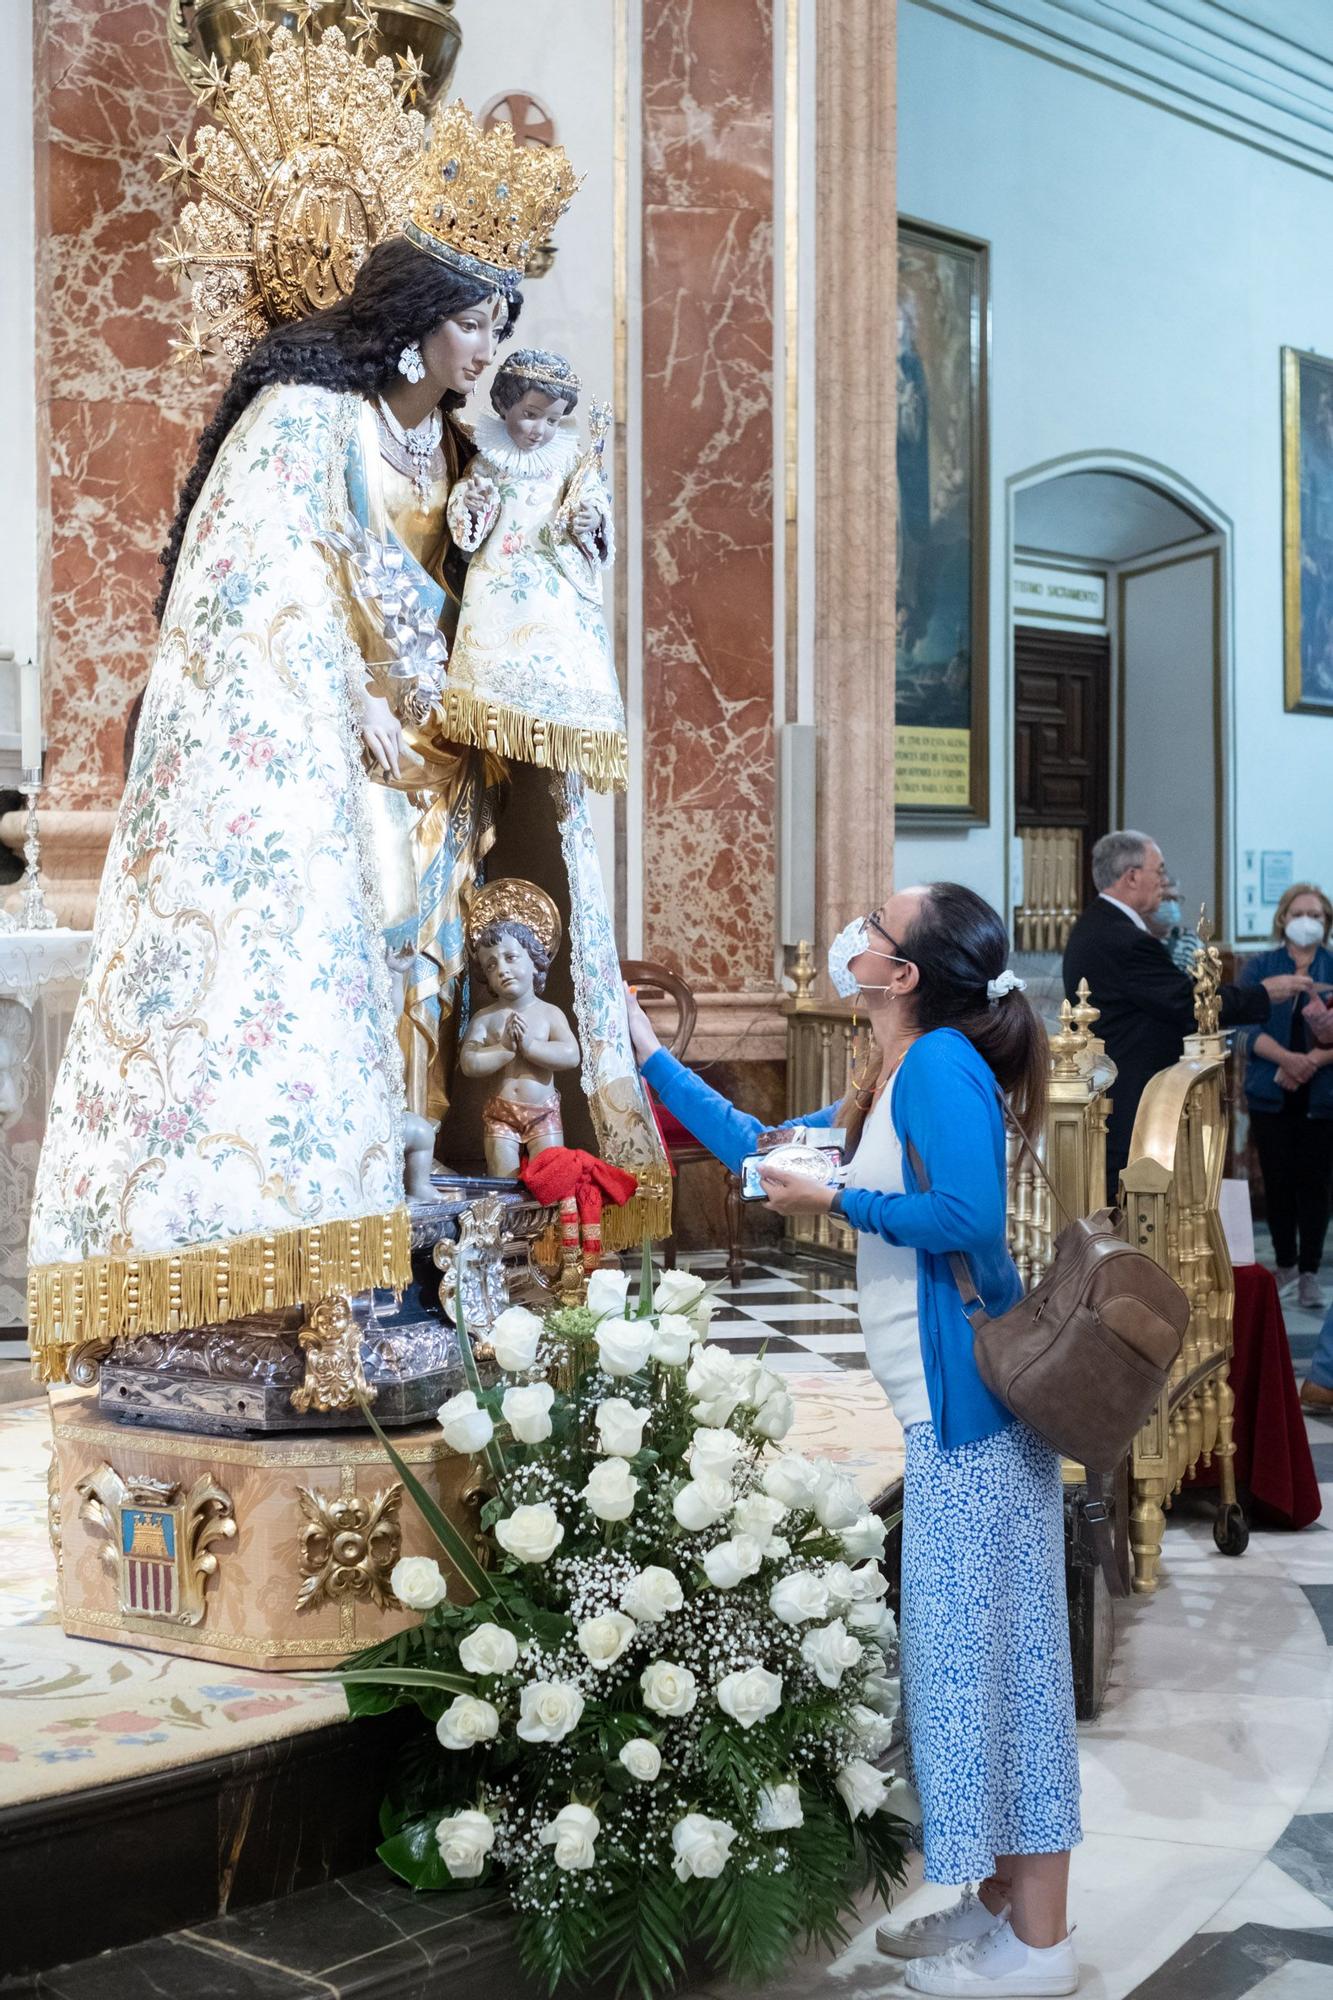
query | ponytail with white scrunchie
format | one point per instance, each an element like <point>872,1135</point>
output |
<point>1008,982</point>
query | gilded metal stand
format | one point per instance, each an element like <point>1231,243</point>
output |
<point>1171,1188</point>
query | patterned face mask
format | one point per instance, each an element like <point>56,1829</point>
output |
<point>852,940</point>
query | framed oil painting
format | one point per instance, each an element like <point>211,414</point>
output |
<point>941,694</point>
<point>1307,529</point>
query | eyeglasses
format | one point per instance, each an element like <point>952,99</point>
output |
<point>875,925</point>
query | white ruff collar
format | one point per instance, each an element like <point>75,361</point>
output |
<point>493,439</point>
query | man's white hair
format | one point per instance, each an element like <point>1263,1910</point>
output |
<point>1115,853</point>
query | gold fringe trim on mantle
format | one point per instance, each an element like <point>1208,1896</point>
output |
<point>601,755</point>
<point>645,1217</point>
<point>105,1298</point>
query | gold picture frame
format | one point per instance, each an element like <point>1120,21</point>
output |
<point>942,702</point>
<point>1307,531</point>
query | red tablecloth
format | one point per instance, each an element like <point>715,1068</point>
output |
<point>1273,1462</point>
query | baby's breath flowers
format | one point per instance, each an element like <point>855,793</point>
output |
<point>674,1664</point>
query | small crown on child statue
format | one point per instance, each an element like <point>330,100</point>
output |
<point>548,371</point>
<point>484,201</point>
<point>511,900</point>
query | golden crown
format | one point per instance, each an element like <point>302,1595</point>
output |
<point>484,202</point>
<point>512,900</point>
<point>312,161</point>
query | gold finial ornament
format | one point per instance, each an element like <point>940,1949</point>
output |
<point>484,202</point>
<point>311,162</point>
<point>804,972</point>
<point>1207,980</point>
<point>514,901</point>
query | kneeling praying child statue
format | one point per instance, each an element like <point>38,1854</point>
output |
<point>520,1039</point>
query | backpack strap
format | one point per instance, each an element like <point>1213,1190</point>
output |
<point>1096,1512</point>
<point>973,1303</point>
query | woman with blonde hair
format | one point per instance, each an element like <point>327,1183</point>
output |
<point>987,1687</point>
<point>1289,1090</point>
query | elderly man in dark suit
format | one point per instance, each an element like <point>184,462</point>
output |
<point>1147,1005</point>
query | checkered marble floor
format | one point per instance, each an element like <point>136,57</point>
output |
<point>802,1313</point>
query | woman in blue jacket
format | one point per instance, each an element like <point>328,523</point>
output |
<point>1289,1091</point>
<point>987,1687</point>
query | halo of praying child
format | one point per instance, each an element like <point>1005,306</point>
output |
<point>531,674</point>
<point>516,1037</point>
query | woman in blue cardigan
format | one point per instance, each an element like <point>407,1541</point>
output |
<point>987,1687</point>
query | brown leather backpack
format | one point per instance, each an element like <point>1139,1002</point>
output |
<point>1084,1357</point>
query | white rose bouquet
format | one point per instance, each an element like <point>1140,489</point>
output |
<point>657,1714</point>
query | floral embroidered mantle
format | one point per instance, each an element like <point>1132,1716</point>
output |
<point>224,1135</point>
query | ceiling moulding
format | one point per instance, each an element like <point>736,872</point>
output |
<point>1213,63</point>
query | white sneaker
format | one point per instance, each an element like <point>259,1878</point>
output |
<point>1287,1278</point>
<point>999,1963</point>
<point>1309,1292</point>
<point>925,1937</point>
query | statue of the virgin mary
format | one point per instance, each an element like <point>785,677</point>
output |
<point>225,1136</point>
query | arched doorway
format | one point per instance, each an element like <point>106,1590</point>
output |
<point>1119,583</point>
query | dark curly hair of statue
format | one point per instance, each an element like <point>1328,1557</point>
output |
<point>401,294</point>
<point>509,927</point>
<point>534,368</point>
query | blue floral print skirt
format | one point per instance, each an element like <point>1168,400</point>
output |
<point>988,1694</point>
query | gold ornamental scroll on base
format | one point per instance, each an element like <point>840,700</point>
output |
<point>303,1581</point>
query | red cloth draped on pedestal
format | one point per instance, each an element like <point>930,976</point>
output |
<point>561,1171</point>
<point>1273,1462</point>
<point>579,1182</point>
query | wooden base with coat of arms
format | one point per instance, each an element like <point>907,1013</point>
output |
<point>268,1553</point>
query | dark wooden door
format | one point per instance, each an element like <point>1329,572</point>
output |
<point>1062,721</point>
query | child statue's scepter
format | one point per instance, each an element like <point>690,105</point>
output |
<point>589,465</point>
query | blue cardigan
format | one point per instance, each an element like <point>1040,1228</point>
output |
<point>945,1100</point>
<point>1263,1092</point>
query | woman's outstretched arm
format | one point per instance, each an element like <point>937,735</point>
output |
<point>729,1134</point>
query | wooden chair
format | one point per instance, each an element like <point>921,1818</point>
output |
<point>658,982</point>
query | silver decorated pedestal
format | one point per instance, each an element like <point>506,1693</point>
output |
<point>294,1370</point>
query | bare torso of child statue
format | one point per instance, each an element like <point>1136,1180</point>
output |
<point>522,1041</point>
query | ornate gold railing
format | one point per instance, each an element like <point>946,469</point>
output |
<point>1052,887</point>
<point>1177,1158</point>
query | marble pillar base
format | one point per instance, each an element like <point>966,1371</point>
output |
<point>74,846</point>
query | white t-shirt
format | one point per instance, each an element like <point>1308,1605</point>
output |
<point>886,1275</point>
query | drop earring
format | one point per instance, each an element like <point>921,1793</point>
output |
<point>411,364</point>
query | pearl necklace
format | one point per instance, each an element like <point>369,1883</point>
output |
<point>420,444</point>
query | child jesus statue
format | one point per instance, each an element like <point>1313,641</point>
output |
<point>517,1037</point>
<point>531,674</point>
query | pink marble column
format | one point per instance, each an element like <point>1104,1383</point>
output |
<point>116,425</point>
<point>708,283</point>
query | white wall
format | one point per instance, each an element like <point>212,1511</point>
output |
<point>1166,637</point>
<point>1145,273</point>
<point>18,488</point>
